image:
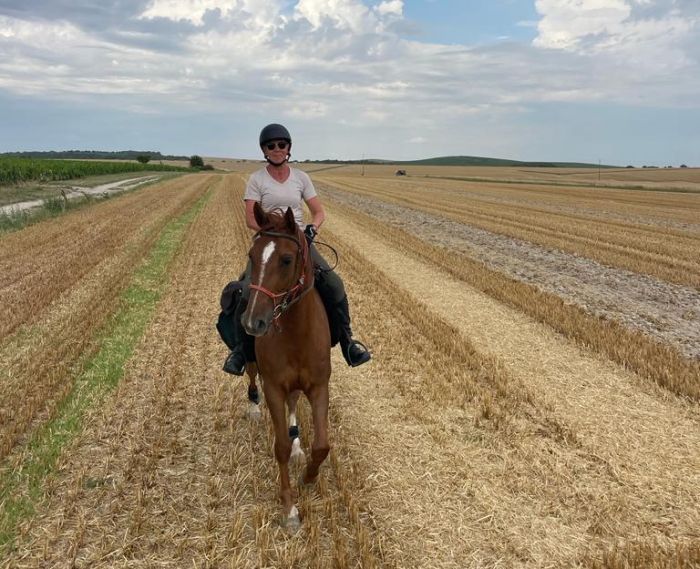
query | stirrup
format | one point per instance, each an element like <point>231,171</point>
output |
<point>363,357</point>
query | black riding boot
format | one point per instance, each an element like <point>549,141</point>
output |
<point>355,352</point>
<point>236,360</point>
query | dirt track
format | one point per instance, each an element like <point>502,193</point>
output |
<point>74,192</point>
<point>476,437</point>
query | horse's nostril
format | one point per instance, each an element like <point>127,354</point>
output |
<point>260,326</point>
<point>255,326</point>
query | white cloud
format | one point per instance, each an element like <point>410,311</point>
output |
<point>611,27</point>
<point>41,34</point>
<point>261,12</point>
<point>191,10</point>
<point>307,110</point>
<point>339,14</point>
<point>394,7</point>
<point>565,23</point>
<point>194,10</point>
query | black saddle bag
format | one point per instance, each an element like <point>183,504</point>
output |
<point>230,297</point>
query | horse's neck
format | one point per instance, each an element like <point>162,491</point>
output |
<point>299,318</point>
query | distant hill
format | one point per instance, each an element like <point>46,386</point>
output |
<point>467,161</point>
<point>483,161</point>
<point>94,154</point>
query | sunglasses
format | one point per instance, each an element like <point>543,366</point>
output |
<point>281,144</point>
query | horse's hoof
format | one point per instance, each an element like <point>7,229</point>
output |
<point>254,413</point>
<point>292,522</point>
<point>303,483</point>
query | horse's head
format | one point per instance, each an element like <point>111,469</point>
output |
<point>278,257</point>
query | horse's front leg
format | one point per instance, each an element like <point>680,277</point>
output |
<point>251,369</point>
<point>318,398</point>
<point>276,399</point>
<point>297,453</point>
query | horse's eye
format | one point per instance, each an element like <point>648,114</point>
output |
<point>286,260</point>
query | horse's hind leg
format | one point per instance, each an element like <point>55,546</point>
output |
<point>297,453</point>
<point>253,391</point>
<point>318,398</point>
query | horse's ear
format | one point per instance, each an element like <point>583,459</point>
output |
<point>261,217</point>
<point>289,222</point>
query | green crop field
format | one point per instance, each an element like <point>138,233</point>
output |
<point>15,170</point>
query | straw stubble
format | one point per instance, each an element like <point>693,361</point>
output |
<point>476,437</point>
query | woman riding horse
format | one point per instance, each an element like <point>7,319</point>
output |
<point>276,188</point>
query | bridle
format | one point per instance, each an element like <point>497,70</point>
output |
<point>298,290</point>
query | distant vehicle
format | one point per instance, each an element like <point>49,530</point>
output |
<point>400,173</point>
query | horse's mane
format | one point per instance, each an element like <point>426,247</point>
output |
<point>275,221</point>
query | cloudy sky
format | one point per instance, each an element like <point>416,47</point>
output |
<point>580,80</point>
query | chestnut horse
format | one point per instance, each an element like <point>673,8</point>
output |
<point>292,343</point>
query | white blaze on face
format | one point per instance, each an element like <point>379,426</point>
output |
<point>266,255</point>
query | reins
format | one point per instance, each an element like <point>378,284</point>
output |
<point>335,254</point>
<point>297,291</point>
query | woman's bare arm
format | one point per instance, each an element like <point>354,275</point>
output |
<point>318,214</point>
<point>250,216</point>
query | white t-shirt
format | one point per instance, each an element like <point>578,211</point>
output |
<point>273,195</point>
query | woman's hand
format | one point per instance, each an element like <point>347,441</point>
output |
<point>310,232</point>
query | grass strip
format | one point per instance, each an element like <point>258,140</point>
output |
<point>22,484</point>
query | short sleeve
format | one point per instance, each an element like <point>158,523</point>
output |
<point>308,190</point>
<point>252,189</point>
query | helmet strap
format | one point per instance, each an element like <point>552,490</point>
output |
<point>289,155</point>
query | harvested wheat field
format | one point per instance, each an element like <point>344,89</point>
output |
<point>532,399</point>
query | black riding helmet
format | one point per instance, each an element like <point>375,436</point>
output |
<point>276,131</point>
